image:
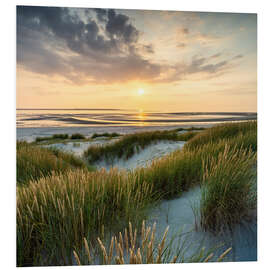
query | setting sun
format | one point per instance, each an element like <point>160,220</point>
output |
<point>140,92</point>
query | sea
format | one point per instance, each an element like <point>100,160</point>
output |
<point>43,122</point>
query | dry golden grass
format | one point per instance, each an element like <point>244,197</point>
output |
<point>137,247</point>
<point>59,210</point>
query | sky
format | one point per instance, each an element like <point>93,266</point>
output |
<point>136,59</point>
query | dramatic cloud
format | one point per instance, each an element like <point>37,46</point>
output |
<point>43,34</point>
<point>101,14</point>
<point>103,46</point>
<point>118,26</point>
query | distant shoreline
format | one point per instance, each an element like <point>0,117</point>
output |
<point>30,133</point>
<point>113,118</point>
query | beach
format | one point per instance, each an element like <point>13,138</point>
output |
<point>180,214</point>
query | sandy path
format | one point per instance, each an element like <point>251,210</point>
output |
<point>178,214</point>
<point>145,156</point>
<point>141,159</point>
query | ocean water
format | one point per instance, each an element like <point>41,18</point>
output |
<point>36,118</point>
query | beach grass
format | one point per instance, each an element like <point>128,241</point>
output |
<point>53,137</point>
<point>179,171</point>
<point>60,138</point>
<point>33,162</point>
<point>227,190</point>
<point>106,134</point>
<point>140,246</point>
<point>130,144</point>
<point>77,136</point>
<point>190,129</point>
<point>55,213</point>
<point>226,131</point>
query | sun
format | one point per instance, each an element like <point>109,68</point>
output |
<point>140,92</point>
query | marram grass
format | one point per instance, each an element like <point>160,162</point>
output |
<point>227,187</point>
<point>60,137</point>
<point>106,134</point>
<point>226,131</point>
<point>33,162</point>
<point>129,144</point>
<point>56,212</point>
<point>135,246</point>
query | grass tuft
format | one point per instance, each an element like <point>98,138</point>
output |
<point>53,137</point>
<point>189,129</point>
<point>226,131</point>
<point>33,162</point>
<point>77,136</point>
<point>60,137</point>
<point>136,246</point>
<point>110,135</point>
<point>128,145</point>
<point>228,183</point>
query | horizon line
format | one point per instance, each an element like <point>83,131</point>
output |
<point>113,109</point>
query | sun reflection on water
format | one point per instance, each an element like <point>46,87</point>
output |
<point>141,116</point>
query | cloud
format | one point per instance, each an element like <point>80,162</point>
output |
<point>148,48</point>
<point>101,14</point>
<point>118,25</point>
<point>44,34</point>
<point>182,31</point>
<point>184,35</point>
<point>205,39</point>
<point>238,56</point>
<point>61,24</point>
<point>216,55</point>
<point>181,45</point>
<point>34,56</point>
<point>103,47</point>
<point>198,65</point>
<point>119,70</point>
